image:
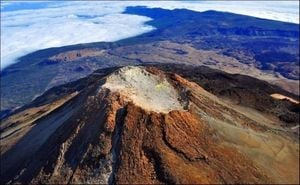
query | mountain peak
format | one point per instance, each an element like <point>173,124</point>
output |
<point>150,91</point>
<point>117,134</point>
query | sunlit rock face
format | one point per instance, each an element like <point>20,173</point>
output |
<point>146,90</point>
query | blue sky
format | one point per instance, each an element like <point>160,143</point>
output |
<point>19,5</point>
<point>30,26</point>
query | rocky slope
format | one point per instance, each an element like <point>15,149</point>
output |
<point>143,125</point>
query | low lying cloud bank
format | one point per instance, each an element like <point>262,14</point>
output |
<point>25,31</point>
<point>30,26</point>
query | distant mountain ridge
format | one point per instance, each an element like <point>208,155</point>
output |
<point>264,49</point>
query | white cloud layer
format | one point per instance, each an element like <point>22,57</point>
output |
<point>28,30</point>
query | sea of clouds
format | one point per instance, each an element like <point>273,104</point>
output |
<point>30,26</point>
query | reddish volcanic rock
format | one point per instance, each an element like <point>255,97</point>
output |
<point>113,133</point>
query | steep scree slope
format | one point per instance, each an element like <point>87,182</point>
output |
<point>109,132</point>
